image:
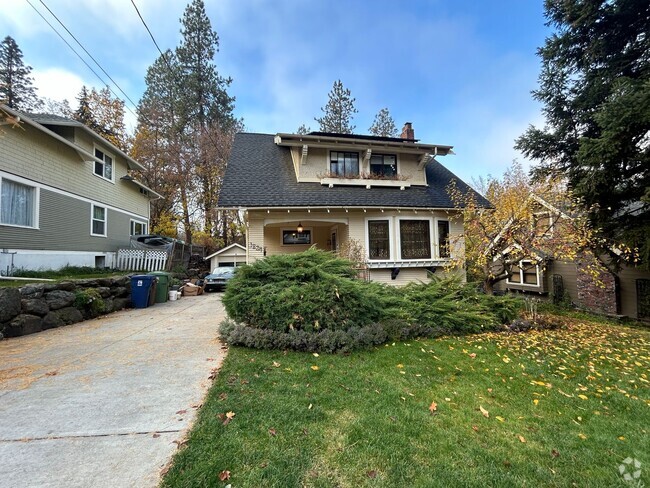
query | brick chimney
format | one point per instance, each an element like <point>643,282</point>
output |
<point>408,132</point>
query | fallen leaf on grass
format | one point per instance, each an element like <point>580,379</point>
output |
<point>555,453</point>
<point>535,401</point>
<point>475,428</point>
<point>230,415</point>
<point>224,475</point>
<point>485,413</point>
<point>315,368</point>
<point>272,432</point>
<point>400,365</point>
<point>473,355</point>
<point>309,407</point>
<point>276,364</point>
<point>522,439</point>
<point>582,436</point>
<point>372,474</point>
<point>315,354</point>
<point>433,407</point>
<point>500,419</point>
<point>583,397</point>
<point>180,444</point>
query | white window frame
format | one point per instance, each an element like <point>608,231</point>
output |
<point>132,227</point>
<point>105,153</point>
<point>36,205</point>
<point>521,275</point>
<point>293,229</point>
<point>92,218</point>
<point>432,238</point>
<point>436,245</point>
<point>391,239</point>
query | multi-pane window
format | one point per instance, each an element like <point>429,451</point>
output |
<point>415,239</point>
<point>378,239</point>
<point>383,165</point>
<point>138,228</point>
<point>17,203</point>
<point>543,224</point>
<point>104,168</point>
<point>344,164</point>
<point>525,273</point>
<point>443,238</point>
<point>98,221</point>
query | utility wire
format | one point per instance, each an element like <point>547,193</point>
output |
<point>89,55</point>
<point>81,58</point>
<point>152,37</point>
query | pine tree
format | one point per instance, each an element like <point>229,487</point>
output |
<point>16,84</point>
<point>338,112</point>
<point>595,91</point>
<point>303,129</point>
<point>204,96</point>
<point>83,113</point>
<point>384,125</point>
<point>205,108</point>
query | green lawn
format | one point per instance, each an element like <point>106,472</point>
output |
<point>565,408</point>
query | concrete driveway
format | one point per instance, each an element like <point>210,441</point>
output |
<point>101,403</point>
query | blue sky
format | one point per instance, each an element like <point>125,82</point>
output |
<point>460,71</point>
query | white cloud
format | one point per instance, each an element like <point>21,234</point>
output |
<point>58,84</point>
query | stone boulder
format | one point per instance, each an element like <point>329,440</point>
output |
<point>35,306</point>
<point>104,291</point>
<point>69,315</point>
<point>9,303</point>
<point>24,324</point>
<point>52,320</point>
<point>120,303</point>
<point>119,291</point>
<point>57,299</point>
<point>33,290</point>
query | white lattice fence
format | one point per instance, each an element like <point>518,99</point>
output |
<point>141,260</point>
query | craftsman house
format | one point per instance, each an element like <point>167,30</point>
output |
<point>66,196</point>
<point>384,196</point>
<point>625,291</point>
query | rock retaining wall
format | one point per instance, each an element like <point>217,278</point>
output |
<point>41,306</point>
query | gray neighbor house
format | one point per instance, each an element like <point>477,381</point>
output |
<point>386,196</point>
<point>65,195</point>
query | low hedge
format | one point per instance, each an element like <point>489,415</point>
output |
<point>310,301</point>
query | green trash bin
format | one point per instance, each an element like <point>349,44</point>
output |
<point>162,287</point>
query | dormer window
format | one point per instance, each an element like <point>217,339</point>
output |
<point>383,165</point>
<point>104,168</point>
<point>344,164</point>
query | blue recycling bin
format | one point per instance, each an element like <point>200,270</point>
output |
<point>140,290</point>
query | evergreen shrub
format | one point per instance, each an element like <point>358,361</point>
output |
<point>310,301</point>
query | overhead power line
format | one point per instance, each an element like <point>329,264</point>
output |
<point>81,57</point>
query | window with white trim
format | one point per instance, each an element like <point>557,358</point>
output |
<point>138,228</point>
<point>18,203</point>
<point>415,238</point>
<point>105,167</point>
<point>524,273</point>
<point>98,221</point>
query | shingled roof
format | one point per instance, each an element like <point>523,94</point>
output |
<point>260,174</point>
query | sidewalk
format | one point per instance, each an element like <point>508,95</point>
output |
<point>101,403</point>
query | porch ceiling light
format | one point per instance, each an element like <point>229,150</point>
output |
<point>300,228</point>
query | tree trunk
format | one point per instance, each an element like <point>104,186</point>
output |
<point>489,286</point>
